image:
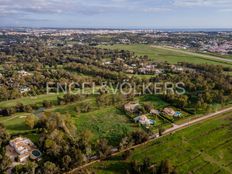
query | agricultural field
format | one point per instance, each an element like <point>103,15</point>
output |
<point>171,56</point>
<point>204,148</point>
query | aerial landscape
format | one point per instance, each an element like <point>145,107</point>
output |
<point>116,87</point>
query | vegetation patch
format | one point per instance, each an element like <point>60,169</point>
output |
<point>203,148</point>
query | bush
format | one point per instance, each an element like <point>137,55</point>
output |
<point>47,104</point>
<point>126,155</point>
<point>139,137</point>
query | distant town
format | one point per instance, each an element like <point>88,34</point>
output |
<point>212,41</point>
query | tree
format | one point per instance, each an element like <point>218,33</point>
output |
<point>66,161</point>
<point>161,130</point>
<point>84,142</point>
<point>165,167</point>
<point>4,136</point>
<point>103,149</point>
<point>4,139</point>
<point>28,108</point>
<point>31,121</point>
<point>47,104</point>
<point>50,168</point>
<point>29,168</point>
<point>139,137</point>
<point>126,155</point>
<point>3,93</point>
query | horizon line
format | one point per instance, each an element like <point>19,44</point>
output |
<point>123,28</point>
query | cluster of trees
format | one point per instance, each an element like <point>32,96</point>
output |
<point>17,108</point>
<point>110,99</point>
<point>12,84</point>
<point>5,162</point>
<point>96,71</point>
<point>204,85</point>
<point>67,98</point>
<point>147,167</point>
<point>64,149</point>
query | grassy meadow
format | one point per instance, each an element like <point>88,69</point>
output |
<point>109,123</point>
<point>204,148</point>
<point>16,123</point>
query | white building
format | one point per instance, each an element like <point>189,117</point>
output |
<point>23,147</point>
<point>24,73</point>
<point>24,89</point>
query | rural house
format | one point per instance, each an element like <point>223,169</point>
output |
<point>24,149</point>
<point>131,107</point>
<point>169,111</point>
<point>144,120</point>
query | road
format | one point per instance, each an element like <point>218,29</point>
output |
<point>177,127</point>
<point>194,54</point>
<point>156,136</point>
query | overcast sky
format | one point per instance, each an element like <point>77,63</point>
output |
<point>117,13</point>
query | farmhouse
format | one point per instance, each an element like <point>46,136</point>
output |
<point>131,107</point>
<point>154,112</point>
<point>144,120</point>
<point>24,149</point>
<point>169,111</point>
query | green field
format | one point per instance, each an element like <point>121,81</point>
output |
<point>161,55</point>
<point>15,123</point>
<point>104,122</point>
<point>30,100</point>
<point>204,148</point>
<point>109,123</point>
<point>155,100</point>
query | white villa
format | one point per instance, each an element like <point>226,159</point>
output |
<point>24,148</point>
<point>144,120</point>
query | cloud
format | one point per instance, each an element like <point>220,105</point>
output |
<point>229,10</point>
<point>203,3</point>
<point>67,7</point>
<point>156,10</point>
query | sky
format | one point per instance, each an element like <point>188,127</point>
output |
<point>117,13</point>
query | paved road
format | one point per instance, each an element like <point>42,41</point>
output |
<point>176,127</point>
<point>194,54</point>
<point>156,136</point>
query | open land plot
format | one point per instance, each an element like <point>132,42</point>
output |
<point>109,123</point>
<point>104,122</point>
<point>204,148</point>
<point>15,123</point>
<point>169,55</point>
